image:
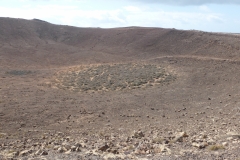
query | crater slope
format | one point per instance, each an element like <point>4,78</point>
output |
<point>121,93</point>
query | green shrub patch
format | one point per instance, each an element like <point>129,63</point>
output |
<point>113,77</point>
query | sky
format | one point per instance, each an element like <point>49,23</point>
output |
<point>204,15</point>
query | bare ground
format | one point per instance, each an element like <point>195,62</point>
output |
<point>194,116</point>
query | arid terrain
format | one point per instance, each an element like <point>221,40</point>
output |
<point>122,93</point>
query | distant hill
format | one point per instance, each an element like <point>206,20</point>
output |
<point>39,43</point>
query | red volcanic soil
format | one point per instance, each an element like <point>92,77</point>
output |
<point>181,98</point>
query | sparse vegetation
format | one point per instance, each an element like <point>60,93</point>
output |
<point>131,147</point>
<point>158,140</point>
<point>113,77</point>
<point>2,135</point>
<point>19,72</point>
<point>216,147</point>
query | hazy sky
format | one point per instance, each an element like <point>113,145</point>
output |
<point>206,15</point>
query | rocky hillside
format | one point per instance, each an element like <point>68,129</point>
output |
<point>36,42</point>
<point>123,93</point>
